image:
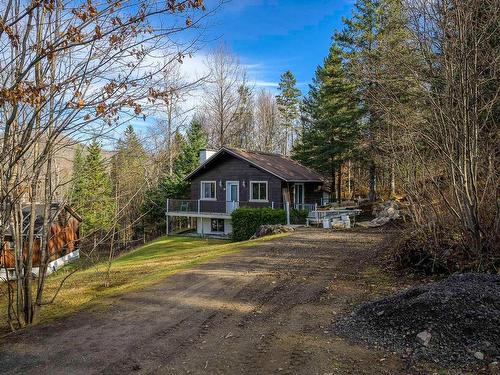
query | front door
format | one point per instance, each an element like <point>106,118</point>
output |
<point>232,195</point>
<point>298,195</point>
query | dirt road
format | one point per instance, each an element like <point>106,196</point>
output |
<point>265,310</point>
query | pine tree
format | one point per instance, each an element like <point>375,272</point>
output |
<point>331,129</point>
<point>196,140</point>
<point>358,41</point>
<point>288,105</point>
<point>398,94</point>
<point>304,149</point>
<point>129,177</point>
<point>94,198</point>
<point>78,178</point>
<point>174,186</point>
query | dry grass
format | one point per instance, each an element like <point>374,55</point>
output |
<point>137,269</point>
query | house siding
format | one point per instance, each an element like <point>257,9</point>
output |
<point>230,168</point>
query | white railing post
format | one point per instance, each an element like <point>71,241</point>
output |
<point>272,205</point>
<point>287,205</point>
<point>199,203</point>
<point>168,200</point>
<point>166,219</point>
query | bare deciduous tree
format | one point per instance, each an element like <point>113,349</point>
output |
<point>446,147</point>
<point>71,69</point>
<point>222,98</point>
<point>267,120</point>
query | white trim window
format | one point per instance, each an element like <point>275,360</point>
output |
<point>258,191</point>
<point>208,190</point>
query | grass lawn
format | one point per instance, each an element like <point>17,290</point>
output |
<point>137,269</point>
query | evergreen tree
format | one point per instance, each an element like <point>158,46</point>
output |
<point>78,178</point>
<point>304,149</point>
<point>330,120</point>
<point>188,159</point>
<point>93,193</point>
<point>174,186</point>
<point>358,41</point>
<point>129,177</point>
<point>288,105</point>
<point>399,96</point>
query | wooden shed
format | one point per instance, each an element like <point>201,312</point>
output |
<point>64,238</point>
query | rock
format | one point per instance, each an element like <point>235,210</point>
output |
<point>424,337</point>
<point>392,213</point>
<point>267,230</point>
<point>479,355</point>
<point>378,222</point>
<point>384,213</point>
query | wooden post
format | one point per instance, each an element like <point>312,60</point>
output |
<point>166,219</point>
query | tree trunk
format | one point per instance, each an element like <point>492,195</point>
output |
<point>332,184</point>
<point>169,140</point>
<point>372,194</point>
<point>393,179</point>
<point>349,191</point>
<point>339,184</point>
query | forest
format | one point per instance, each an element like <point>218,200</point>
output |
<point>404,106</point>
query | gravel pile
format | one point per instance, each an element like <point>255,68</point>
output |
<point>452,322</point>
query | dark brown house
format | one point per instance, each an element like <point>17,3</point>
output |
<point>232,178</point>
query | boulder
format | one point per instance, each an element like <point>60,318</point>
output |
<point>384,213</point>
<point>268,230</point>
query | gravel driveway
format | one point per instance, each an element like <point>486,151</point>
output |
<point>264,310</point>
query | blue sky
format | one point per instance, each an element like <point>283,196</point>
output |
<point>271,36</point>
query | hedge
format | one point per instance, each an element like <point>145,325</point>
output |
<point>246,221</point>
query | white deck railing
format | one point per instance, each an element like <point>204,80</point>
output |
<point>214,206</point>
<point>200,206</point>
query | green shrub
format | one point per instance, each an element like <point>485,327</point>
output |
<point>298,216</point>
<point>246,221</point>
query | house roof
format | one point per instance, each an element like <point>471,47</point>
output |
<point>278,165</point>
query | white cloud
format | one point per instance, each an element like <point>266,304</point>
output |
<point>259,83</point>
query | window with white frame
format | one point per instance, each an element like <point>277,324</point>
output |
<point>258,191</point>
<point>207,190</point>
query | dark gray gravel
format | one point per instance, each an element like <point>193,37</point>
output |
<point>461,313</point>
